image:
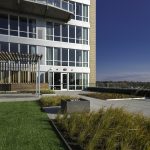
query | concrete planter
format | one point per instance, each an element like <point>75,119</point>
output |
<point>74,106</point>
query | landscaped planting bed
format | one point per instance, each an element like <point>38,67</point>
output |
<point>105,96</point>
<point>111,129</point>
<point>42,91</point>
<point>24,127</point>
<point>48,101</point>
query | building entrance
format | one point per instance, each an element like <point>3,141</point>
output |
<point>67,81</point>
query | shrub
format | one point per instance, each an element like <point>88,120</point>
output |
<point>53,100</point>
<point>48,91</point>
<point>42,91</point>
<point>109,129</point>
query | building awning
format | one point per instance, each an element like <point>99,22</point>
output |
<point>7,56</point>
<point>44,8</point>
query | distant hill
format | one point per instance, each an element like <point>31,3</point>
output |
<point>123,84</point>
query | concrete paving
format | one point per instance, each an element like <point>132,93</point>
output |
<point>136,106</point>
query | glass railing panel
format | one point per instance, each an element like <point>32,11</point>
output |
<point>64,5</point>
<point>50,2</point>
<point>71,7</point>
<point>41,1</point>
<point>57,3</point>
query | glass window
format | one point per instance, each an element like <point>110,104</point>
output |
<point>72,8</point>
<point>4,47</point>
<point>41,1</point>
<point>65,4</point>
<point>23,26</point>
<point>79,81</point>
<point>32,28</point>
<point>71,57</point>
<point>78,11</point>
<point>57,32</point>
<point>85,80</point>
<point>50,80</point>
<point>85,58</point>
<point>85,13</point>
<point>85,36</point>
<point>64,57</point>
<point>49,30</point>
<point>71,81</point>
<point>57,56</point>
<point>64,33</point>
<point>3,24</point>
<point>14,47</point>
<point>79,35</point>
<point>23,48</point>
<point>32,49</point>
<point>57,3</point>
<point>51,2</point>
<point>14,25</point>
<point>49,56</point>
<point>72,34</point>
<point>57,79</point>
<point>78,58</point>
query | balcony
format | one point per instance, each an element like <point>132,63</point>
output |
<point>55,9</point>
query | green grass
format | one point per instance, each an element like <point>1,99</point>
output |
<point>24,127</point>
<point>105,96</point>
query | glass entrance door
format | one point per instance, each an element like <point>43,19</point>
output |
<point>64,81</point>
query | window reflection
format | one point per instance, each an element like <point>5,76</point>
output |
<point>32,28</point>
<point>18,26</point>
<point>49,56</point>
<point>57,32</point>
<point>79,35</point>
<point>49,30</point>
<point>78,11</point>
<point>3,24</point>
<point>14,25</point>
<point>72,34</point>
<point>23,26</point>
<point>13,47</point>
<point>64,57</point>
<point>79,58</point>
<point>57,56</point>
<point>71,57</point>
<point>4,47</point>
<point>65,33</point>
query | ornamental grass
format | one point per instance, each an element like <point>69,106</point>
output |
<point>47,101</point>
<point>111,129</point>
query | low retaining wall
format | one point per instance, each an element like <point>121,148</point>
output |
<point>21,87</point>
<point>138,92</point>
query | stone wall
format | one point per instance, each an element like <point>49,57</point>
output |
<point>21,87</point>
<point>92,56</point>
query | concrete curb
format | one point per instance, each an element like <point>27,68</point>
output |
<point>123,99</point>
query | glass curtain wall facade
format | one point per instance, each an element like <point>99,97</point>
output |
<point>65,47</point>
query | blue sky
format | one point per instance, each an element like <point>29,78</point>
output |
<point>123,40</point>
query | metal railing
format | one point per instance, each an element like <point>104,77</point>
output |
<point>57,3</point>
